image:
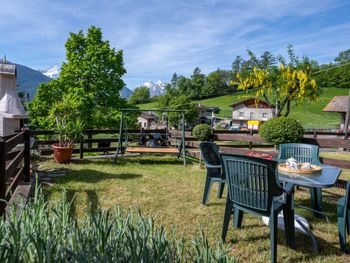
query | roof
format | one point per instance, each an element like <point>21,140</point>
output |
<point>337,104</point>
<point>8,69</point>
<point>251,100</point>
<point>147,115</point>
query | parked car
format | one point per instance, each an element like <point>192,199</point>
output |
<point>234,127</point>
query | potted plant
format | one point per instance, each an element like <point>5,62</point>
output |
<point>69,129</point>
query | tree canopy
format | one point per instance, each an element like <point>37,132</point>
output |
<point>93,74</point>
<point>140,95</point>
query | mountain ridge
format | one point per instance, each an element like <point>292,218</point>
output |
<point>155,89</point>
<point>28,79</point>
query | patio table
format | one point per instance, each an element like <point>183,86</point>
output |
<point>324,179</point>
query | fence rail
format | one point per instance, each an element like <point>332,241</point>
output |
<point>14,164</point>
<point>324,139</point>
<point>86,144</point>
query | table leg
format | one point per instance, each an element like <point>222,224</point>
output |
<point>289,224</point>
<point>316,201</point>
<point>309,234</point>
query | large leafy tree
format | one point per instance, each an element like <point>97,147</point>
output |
<point>184,103</point>
<point>198,80</point>
<point>343,57</point>
<point>281,85</point>
<point>217,83</point>
<point>140,95</point>
<point>93,73</point>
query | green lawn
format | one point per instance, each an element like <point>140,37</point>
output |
<point>162,187</point>
<point>310,114</point>
<point>148,106</point>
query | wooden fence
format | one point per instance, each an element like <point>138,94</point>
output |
<point>324,139</point>
<point>248,141</point>
<point>86,145</point>
<point>14,164</point>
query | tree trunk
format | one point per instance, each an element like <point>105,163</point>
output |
<point>288,109</point>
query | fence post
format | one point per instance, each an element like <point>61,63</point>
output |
<point>211,137</point>
<point>81,148</point>
<point>26,155</point>
<point>251,143</point>
<point>2,175</point>
<point>315,134</point>
<point>89,135</point>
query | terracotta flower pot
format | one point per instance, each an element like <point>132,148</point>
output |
<point>62,154</point>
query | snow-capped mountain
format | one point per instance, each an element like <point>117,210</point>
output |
<point>53,72</point>
<point>155,89</point>
<point>125,93</point>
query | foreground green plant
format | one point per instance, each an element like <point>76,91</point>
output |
<point>46,232</point>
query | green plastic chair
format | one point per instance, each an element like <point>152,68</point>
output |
<point>306,153</point>
<point>253,187</point>
<point>212,160</point>
<point>343,212</point>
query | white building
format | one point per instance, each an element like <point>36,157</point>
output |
<point>146,120</point>
<point>251,113</point>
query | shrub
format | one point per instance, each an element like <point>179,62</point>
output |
<point>202,132</point>
<point>281,130</point>
<point>48,233</point>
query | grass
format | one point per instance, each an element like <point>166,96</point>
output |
<point>162,187</point>
<point>310,114</point>
<point>148,106</point>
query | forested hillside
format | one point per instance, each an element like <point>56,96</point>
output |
<point>332,79</point>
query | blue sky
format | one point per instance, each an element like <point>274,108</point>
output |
<point>160,37</point>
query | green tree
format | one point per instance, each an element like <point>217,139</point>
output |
<point>184,86</point>
<point>198,80</point>
<point>140,95</point>
<point>93,73</point>
<point>174,80</point>
<point>237,64</point>
<point>343,57</point>
<point>267,60</point>
<point>39,108</point>
<point>217,83</point>
<point>182,102</point>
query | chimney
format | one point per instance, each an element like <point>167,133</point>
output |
<point>11,107</point>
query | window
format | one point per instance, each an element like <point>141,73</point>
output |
<point>264,115</point>
<point>241,114</point>
<point>251,115</point>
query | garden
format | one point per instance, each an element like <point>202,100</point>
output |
<point>161,188</point>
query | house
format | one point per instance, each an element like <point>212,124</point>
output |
<point>206,114</point>
<point>251,113</point>
<point>338,104</point>
<point>147,119</point>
